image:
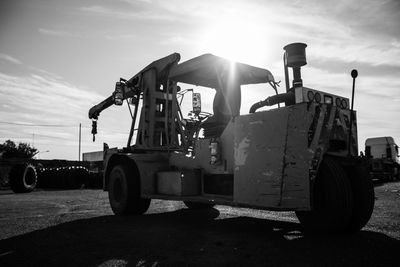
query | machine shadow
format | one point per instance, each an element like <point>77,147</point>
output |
<point>192,238</point>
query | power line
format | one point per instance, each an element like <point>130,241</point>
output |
<point>39,135</point>
<point>58,126</point>
<point>52,125</point>
<point>38,125</point>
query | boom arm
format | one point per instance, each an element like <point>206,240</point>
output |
<point>94,112</point>
<point>134,87</point>
<point>130,87</point>
<point>123,90</point>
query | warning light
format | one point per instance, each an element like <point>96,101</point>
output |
<point>328,99</point>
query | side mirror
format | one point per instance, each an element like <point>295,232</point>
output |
<point>196,103</point>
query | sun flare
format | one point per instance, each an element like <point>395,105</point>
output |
<point>235,39</point>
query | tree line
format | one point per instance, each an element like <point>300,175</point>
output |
<point>9,149</point>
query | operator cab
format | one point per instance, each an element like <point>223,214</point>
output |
<point>226,78</point>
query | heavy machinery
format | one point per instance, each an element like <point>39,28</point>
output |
<point>384,158</point>
<point>300,155</point>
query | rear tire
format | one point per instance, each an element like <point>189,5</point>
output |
<point>23,178</point>
<point>332,200</point>
<point>124,191</point>
<point>198,205</point>
<point>363,197</point>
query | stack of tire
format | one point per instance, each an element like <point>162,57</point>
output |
<point>73,177</point>
<point>23,178</point>
<point>95,180</point>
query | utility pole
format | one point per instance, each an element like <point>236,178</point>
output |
<point>80,131</point>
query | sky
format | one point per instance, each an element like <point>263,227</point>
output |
<point>59,58</point>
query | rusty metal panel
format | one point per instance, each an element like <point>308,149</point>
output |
<point>259,146</point>
<point>272,158</point>
<point>295,180</point>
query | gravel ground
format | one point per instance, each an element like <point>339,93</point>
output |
<point>77,228</point>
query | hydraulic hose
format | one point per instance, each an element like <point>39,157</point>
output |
<point>288,98</point>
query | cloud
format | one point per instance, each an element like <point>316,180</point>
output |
<point>374,19</point>
<point>43,109</point>
<point>336,65</point>
<point>57,33</point>
<point>9,59</point>
<point>108,36</point>
<point>395,43</point>
<point>325,27</point>
<point>42,99</point>
<point>128,14</point>
<point>340,34</point>
<point>135,1</point>
<point>116,37</point>
<point>177,39</point>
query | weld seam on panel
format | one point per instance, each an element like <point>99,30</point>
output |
<point>284,159</point>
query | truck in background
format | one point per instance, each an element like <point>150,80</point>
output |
<point>384,158</point>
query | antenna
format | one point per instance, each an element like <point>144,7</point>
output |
<point>354,74</point>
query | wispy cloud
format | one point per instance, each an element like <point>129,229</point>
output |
<point>337,65</point>
<point>128,14</point>
<point>41,99</point>
<point>177,39</point>
<point>57,33</point>
<point>135,1</point>
<point>108,36</point>
<point>341,35</point>
<point>116,37</point>
<point>395,43</point>
<point>9,59</point>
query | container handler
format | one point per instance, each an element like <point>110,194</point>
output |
<point>299,156</point>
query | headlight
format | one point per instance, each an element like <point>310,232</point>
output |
<point>328,100</point>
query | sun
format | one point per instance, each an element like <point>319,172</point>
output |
<point>236,39</point>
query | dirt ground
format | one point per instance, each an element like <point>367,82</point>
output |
<point>77,228</point>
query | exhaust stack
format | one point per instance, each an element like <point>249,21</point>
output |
<point>294,57</point>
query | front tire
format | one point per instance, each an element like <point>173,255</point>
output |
<point>124,191</point>
<point>332,200</point>
<point>363,197</point>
